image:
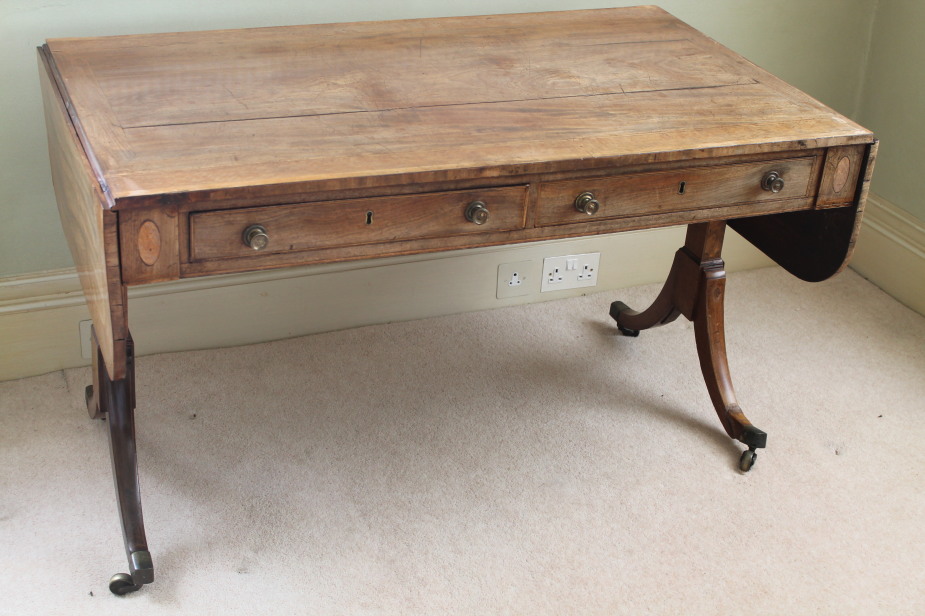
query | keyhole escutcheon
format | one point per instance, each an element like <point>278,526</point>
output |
<point>681,187</point>
<point>369,218</point>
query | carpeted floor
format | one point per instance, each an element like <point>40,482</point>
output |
<point>525,460</point>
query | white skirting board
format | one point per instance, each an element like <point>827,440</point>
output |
<point>40,314</point>
<point>891,252</point>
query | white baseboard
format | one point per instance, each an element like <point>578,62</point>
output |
<point>891,252</point>
<point>40,313</point>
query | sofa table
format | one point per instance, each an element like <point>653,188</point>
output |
<point>193,154</point>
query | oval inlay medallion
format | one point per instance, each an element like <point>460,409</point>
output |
<point>149,242</point>
<point>841,174</point>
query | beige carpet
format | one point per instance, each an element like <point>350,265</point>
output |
<point>525,460</point>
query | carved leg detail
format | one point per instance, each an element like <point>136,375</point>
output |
<point>695,287</point>
<point>117,400</point>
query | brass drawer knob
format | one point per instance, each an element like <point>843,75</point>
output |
<point>256,237</point>
<point>585,202</point>
<point>772,181</point>
<point>477,213</point>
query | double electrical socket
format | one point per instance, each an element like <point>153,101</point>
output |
<point>557,274</point>
<point>570,272</point>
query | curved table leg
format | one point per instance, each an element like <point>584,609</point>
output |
<point>709,332</point>
<point>116,399</point>
<point>662,310</point>
<point>696,288</point>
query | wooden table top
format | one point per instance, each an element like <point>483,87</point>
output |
<point>340,106</point>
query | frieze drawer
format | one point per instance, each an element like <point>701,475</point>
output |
<point>677,190</point>
<point>327,224</point>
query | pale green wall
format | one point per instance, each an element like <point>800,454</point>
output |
<point>818,45</point>
<point>893,102</point>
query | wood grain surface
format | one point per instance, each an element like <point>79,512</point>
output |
<point>90,228</point>
<point>345,106</point>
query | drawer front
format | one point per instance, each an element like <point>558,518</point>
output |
<point>354,222</point>
<point>673,191</point>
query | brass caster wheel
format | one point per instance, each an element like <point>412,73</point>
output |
<point>626,331</point>
<point>122,584</point>
<point>747,461</point>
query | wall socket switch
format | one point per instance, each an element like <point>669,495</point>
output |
<point>516,279</point>
<point>570,272</point>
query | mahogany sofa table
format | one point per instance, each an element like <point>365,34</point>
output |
<point>193,154</point>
